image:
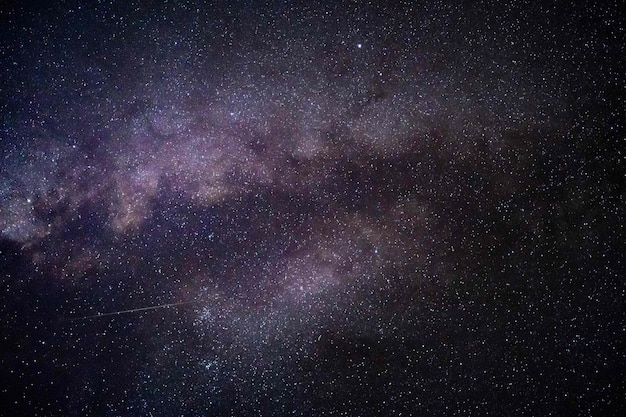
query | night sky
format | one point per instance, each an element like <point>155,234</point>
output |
<point>305,208</point>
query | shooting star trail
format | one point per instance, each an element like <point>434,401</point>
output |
<point>134,310</point>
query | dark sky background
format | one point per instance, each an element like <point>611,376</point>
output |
<point>338,208</point>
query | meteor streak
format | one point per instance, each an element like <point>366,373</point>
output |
<point>134,310</point>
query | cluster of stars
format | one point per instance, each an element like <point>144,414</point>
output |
<point>268,208</point>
